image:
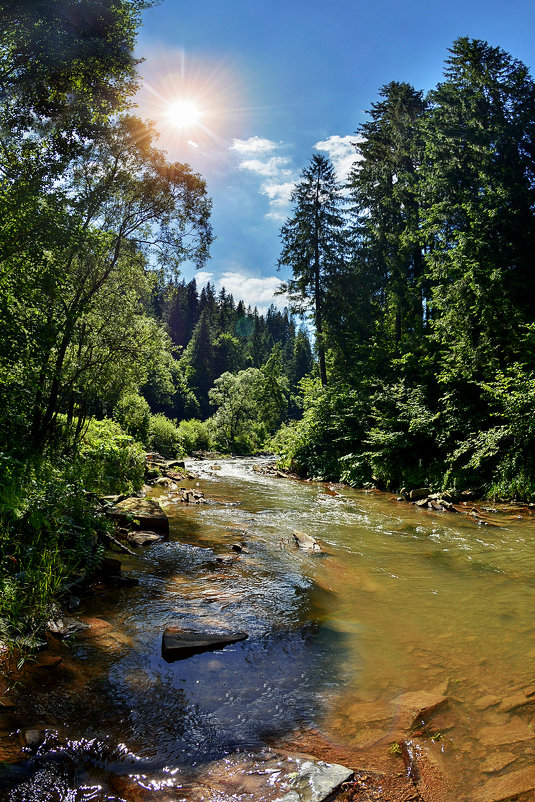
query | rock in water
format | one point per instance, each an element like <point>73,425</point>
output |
<point>306,542</point>
<point>316,782</point>
<point>142,513</point>
<point>144,538</point>
<point>419,493</point>
<point>178,643</point>
<point>63,626</point>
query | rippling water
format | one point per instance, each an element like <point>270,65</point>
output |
<point>406,600</point>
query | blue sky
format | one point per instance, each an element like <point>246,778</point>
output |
<point>275,82</point>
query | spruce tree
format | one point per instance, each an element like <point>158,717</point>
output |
<point>313,245</point>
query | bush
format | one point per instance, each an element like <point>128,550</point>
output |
<point>133,414</point>
<point>48,533</point>
<point>164,437</point>
<point>332,427</point>
<point>194,435</point>
<point>109,460</point>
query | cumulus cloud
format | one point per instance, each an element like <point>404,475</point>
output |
<point>254,290</point>
<point>341,151</point>
<point>275,171</point>
<point>279,199</point>
<point>274,166</point>
<point>255,144</point>
<point>203,277</point>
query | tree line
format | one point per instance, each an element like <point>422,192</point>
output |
<point>418,274</point>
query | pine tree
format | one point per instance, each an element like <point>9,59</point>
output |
<point>385,191</point>
<point>313,245</point>
<point>480,192</point>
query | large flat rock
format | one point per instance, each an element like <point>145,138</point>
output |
<point>178,643</point>
<point>416,707</point>
<point>518,786</point>
<point>515,731</point>
<point>141,513</point>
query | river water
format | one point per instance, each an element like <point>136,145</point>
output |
<point>405,600</point>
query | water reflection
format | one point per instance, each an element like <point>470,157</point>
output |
<point>407,600</point>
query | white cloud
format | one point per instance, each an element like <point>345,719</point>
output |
<point>255,144</point>
<point>341,151</point>
<point>253,290</point>
<point>202,277</point>
<point>279,199</point>
<point>274,166</point>
<point>276,171</point>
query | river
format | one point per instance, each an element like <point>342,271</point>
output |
<point>405,600</point>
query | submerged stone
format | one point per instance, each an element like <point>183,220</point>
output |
<point>517,785</point>
<point>418,706</point>
<point>178,643</point>
<point>515,731</point>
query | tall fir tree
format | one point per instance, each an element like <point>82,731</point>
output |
<point>313,245</point>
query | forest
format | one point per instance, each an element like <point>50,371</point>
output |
<point>404,358</point>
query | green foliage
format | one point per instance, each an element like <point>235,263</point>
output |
<point>428,321</point>
<point>401,439</point>
<point>108,459</point>
<point>331,428</point>
<point>164,437</point>
<point>314,245</point>
<point>48,535</point>
<point>500,458</point>
<point>132,413</point>
<point>250,405</point>
<point>194,435</point>
<point>236,425</point>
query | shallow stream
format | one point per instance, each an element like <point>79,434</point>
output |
<point>406,600</point>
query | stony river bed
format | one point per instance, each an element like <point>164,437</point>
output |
<point>404,653</point>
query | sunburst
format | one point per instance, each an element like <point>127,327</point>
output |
<point>197,109</point>
<point>184,113</point>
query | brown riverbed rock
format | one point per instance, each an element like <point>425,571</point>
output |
<point>96,627</point>
<point>517,785</point>
<point>417,707</point>
<point>520,701</point>
<point>498,761</point>
<point>514,731</point>
<point>424,766</point>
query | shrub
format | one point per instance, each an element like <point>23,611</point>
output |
<point>164,437</point>
<point>109,460</point>
<point>332,425</point>
<point>194,435</point>
<point>133,414</point>
<point>48,534</point>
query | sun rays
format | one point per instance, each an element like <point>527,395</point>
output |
<point>197,107</point>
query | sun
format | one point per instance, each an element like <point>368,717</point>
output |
<point>184,113</point>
